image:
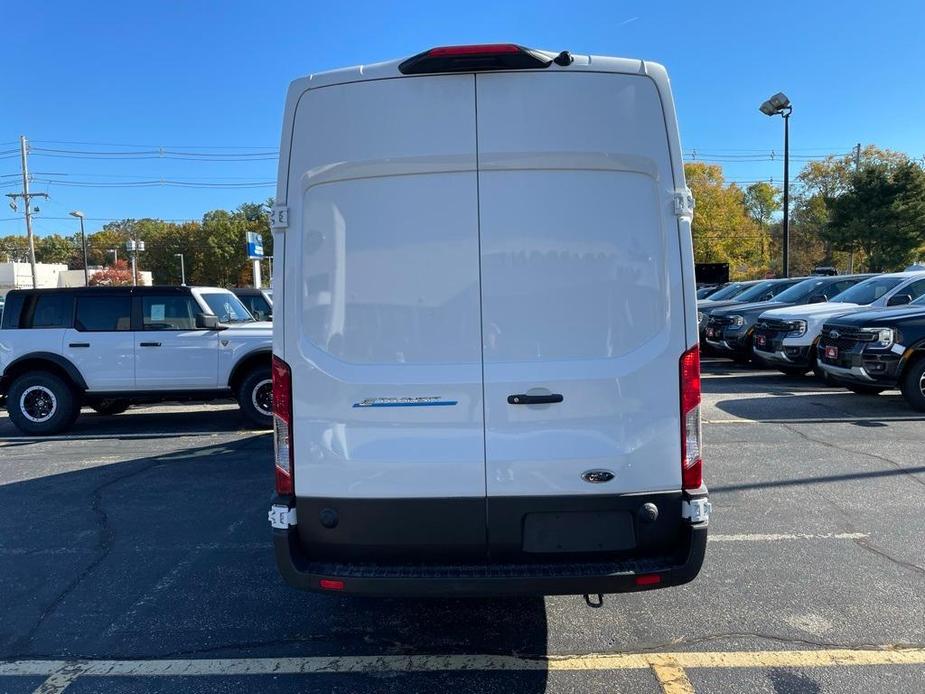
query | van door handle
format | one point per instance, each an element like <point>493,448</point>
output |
<point>524,399</point>
<point>149,344</point>
<point>78,344</point>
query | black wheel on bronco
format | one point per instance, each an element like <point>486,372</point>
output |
<point>913,384</point>
<point>41,403</point>
<point>864,390</point>
<point>255,397</point>
<point>110,407</point>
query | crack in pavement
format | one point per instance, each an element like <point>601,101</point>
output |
<point>864,543</point>
<point>105,539</point>
<point>845,449</point>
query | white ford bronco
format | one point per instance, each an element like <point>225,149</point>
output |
<point>111,347</point>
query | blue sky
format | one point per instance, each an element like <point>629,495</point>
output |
<point>202,75</point>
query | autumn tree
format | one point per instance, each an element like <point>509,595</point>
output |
<point>723,230</point>
<point>116,275</point>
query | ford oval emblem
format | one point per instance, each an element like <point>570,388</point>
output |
<point>597,476</point>
<point>834,334</point>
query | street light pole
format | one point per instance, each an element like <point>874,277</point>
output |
<point>83,241</point>
<point>182,270</point>
<point>779,105</point>
<point>786,224</point>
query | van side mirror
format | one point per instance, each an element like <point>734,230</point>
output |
<point>899,300</point>
<point>206,321</point>
<point>818,299</point>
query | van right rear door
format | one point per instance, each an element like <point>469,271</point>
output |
<point>582,298</point>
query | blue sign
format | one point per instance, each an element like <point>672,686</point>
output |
<point>254,245</point>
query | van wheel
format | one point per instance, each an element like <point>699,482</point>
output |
<point>865,390</point>
<point>110,407</point>
<point>255,397</point>
<point>913,384</point>
<point>41,403</point>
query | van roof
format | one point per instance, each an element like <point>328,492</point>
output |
<point>389,69</point>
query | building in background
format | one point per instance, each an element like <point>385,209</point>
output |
<point>19,276</point>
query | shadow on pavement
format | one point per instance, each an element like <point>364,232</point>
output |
<point>169,555</point>
<point>821,407</point>
<point>139,421</point>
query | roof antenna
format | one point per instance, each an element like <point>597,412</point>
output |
<point>564,59</point>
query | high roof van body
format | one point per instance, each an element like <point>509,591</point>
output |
<point>486,376</point>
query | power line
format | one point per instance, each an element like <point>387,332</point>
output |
<point>153,183</point>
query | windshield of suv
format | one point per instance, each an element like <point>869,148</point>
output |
<point>800,291</point>
<point>755,292</point>
<point>868,291</point>
<point>227,307</point>
<point>727,292</point>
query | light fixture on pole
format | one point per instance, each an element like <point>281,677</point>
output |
<point>83,241</point>
<point>182,269</point>
<point>134,247</point>
<point>779,105</point>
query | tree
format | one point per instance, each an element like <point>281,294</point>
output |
<point>223,237</point>
<point>762,200</point>
<point>722,229</point>
<point>117,275</point>
<point>882,214</point>
<point>58,249</point>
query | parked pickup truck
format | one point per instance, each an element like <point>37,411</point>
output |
<point>872,351</point>
<point>111,347</point>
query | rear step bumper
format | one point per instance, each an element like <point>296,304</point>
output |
<point>473,580</point>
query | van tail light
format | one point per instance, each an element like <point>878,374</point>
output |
<point>282,425</point>
<point>476,58</point>
<point>691,433</point>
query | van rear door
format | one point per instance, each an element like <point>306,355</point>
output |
<point>582,298</point>
<point>382,319</point>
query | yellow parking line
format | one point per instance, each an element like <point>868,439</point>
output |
<point>668,668</point>
<point>670,675</point>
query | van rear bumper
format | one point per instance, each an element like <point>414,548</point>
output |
<point>446,579</point>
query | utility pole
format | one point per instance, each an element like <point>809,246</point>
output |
<point>27,202</point>
<point>857,169</point>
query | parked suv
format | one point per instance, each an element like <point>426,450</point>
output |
<point>258,301</point>
<point>792,333</point>
<point>110,347</point>
<point>727,296</point>
<point>871,351</point>
<point>732,331</point>
<point>728,330</point>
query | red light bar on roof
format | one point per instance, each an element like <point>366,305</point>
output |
<point>479,49</point>
<point>476,58</point>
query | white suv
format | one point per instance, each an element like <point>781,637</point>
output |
<point>110,347</point>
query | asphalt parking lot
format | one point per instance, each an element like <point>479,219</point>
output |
<point>135,556</point>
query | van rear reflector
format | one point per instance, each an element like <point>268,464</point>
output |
<point>476,58</point>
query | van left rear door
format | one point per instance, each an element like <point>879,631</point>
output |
<point>381,319</point>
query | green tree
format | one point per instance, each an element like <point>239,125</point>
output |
<point>882,214</point>
<point>14,249</point>
<point>223,242</point>
<point>59,249</point>
<point>762,201</point>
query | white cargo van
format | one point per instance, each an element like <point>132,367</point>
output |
<point>486,374</point>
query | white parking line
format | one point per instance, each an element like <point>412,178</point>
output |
<point>780,537</point>
<point>132,436</point>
